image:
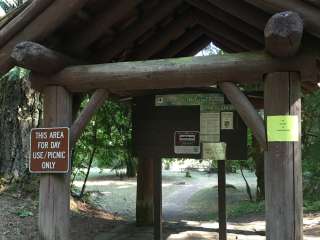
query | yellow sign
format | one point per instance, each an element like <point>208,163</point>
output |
<point>283,128</point>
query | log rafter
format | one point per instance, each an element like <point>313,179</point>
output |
<point>101,23</point>
<point>163,36</point>
<point>228,19</point>
<point>226,32</point>
<point>126,37</point>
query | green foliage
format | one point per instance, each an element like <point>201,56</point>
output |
<point>108,137</point>
<point>245,207</point>
<point>311,145</point>
<point>311,206</point>
<point>24,213</point>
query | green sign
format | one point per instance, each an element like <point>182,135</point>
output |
<point>283,128</point>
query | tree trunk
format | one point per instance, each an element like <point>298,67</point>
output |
<point>19,112</point>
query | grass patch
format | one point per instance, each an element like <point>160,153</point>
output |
<point>244,208</point>
<point>311,206</point>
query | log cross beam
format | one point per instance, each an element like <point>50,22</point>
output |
<point>45,61</point>
<point>246,110</point>
<point>96,101</point>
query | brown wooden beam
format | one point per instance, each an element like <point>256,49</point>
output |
<point>126,37</point>
<point>194,47</point>
<point>176,46</point>
<point>246,110</point>
<point>283,34</point>
<point>163,36</point>
<point>228,19</point>
<point>244,11</point>
<point>44,24</point>
<point>219,28</point>
<point>101,23</point>
<point>309,13</point>
<point>176,73</point>
<point>96,101</point>
<point>33,56</point>
<point>23,19</point>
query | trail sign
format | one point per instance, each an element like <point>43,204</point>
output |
<point>49,150</point>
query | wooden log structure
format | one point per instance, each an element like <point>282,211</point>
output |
<point>101,23</point>
<point>176,73</point>
<point>40,59</point>
<point>246,110</point>
<point>54,193</point>
<point>228,19</point>
<point>283,172</point>
<point>145,191</point>
<point>48,21</point>
<point>283,34</point>
<point>96,101</point>
<point>220,28</point>
<point>133,32</point>
<point>159,40</point>
<point>309,13</point>
<point>22,20</point>
<point>157,198</point>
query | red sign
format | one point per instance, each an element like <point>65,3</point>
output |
<point>49,150</point>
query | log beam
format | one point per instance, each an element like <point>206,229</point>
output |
<point>176,73</point>
<point>44,24</point>
<point>33,56</point>
<point>96,101</point>
<point>246,110</point>
<point>283,34</point>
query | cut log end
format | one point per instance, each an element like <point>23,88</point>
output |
<point>283,34</point>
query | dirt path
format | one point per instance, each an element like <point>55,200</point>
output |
<point>90,223</point>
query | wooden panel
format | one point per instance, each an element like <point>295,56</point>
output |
<point>54,193</point>
<point>154,127</point>
<point>236,139</point>
<point>283,175</point>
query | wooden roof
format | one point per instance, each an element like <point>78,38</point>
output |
<point>101,31</point>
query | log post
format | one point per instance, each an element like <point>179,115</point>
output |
<point>283,173</point>
<point>144,205</point>
<point>54,193</point>
<point>157,198</point>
